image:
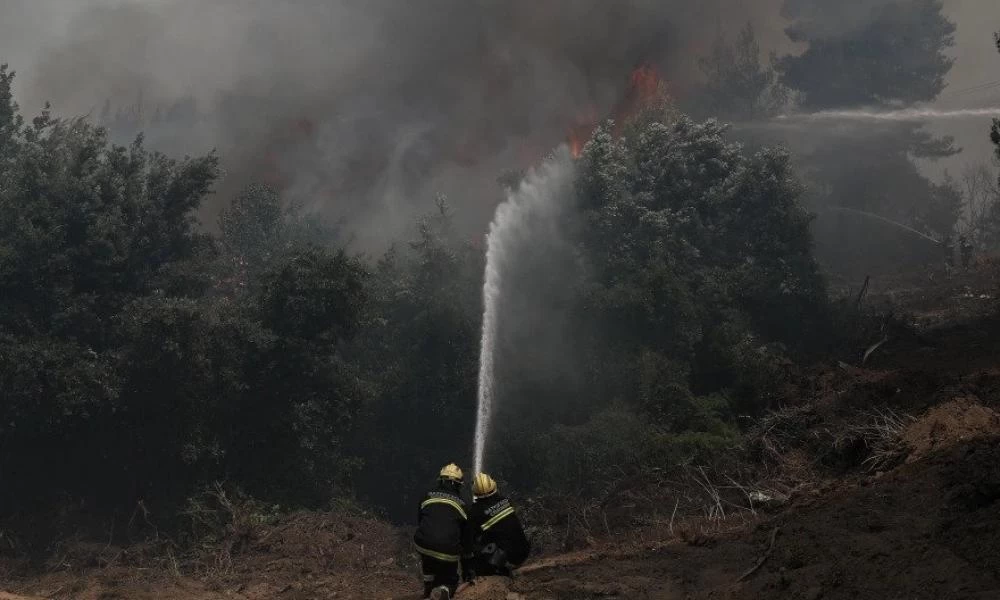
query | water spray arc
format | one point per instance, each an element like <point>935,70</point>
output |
<point>908,114</point>
<point>538,199</point>
<point>884,220</point>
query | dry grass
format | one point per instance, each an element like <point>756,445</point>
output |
<point>687,502</point>
<point>882,433</point>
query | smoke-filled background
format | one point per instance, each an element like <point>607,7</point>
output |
<point>364,111</point>
<point>361,110</point>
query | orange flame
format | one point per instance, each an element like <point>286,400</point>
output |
<point>645,90</point>
<point>581,131</point>
<point>646,86</point>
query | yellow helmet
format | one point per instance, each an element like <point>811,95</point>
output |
<point>483,486</point>
<point>451,472</point>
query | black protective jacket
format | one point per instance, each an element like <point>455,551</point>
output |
<point>442,526</point>
<point>493,520</point>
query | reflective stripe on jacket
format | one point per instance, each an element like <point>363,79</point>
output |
<point>442,526</point>
<point>494,521</point>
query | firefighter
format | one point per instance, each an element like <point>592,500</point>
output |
<point>498,538</point>
<point>948,247</point>
<point>443,535</point>
<point>965,246</point>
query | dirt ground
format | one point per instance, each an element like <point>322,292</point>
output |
<point>893,476</point>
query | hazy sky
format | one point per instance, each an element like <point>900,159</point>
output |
<point>388,80</point>
<point>977,62</point>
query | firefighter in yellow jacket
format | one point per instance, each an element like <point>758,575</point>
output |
<point>443,535</point>
<point>498,539</point>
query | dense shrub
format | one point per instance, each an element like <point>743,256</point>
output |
<point>141,359</point>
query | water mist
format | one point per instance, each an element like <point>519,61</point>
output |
<point>538,199</point>
<point>906,114</point>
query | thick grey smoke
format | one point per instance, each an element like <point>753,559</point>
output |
<point>817,19</point>
<point>363,109</point>
<point>366,109</point>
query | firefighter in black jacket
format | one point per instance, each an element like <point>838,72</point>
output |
<point>443,535</point>
<point>498,537</point>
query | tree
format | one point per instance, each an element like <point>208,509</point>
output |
<point>692,245</point>
<point>990,218</point>
<point>867,53</point>
<point>995,131</point>
<point>88,232</point>
<point>882,53</point>
<point>87,226</point>
<point>257,232</point>
<point>126,377</point>
<point>981,205</point>
<point>304,389</point>
<point>422,351</point>
<point>738,87</point>
<point>697,267</point>
<point>873,171</point>
<point>252,227</point>
<point>315,297</point>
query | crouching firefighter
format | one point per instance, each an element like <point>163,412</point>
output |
<point>443,535</point>
<point>498,538</point>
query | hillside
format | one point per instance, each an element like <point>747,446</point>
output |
<point>884,482</point>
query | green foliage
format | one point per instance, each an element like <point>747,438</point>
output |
<point>883,53</point>
<point>698,275</point>
<point>57,398</point>
<point>257,232</point>
<point>694,248</point>
<point>584,460</point>
<point>422,351</point>
<point>252,226</point>
<point>143,360</point>
<point>87,226</point>
<point>127,375</point>
<point>314,296</point>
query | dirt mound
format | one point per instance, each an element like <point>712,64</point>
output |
<point>929,529</point>
<point>943,426</point>
<point>323,542</point>
<point>304,555</point>
<point>489,588</point>
<point>321,555</point>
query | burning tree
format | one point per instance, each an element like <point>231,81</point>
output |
<point>646,90</point>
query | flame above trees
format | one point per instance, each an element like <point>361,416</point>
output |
<point>646,89</point>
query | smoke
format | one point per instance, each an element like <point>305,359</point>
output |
<point>976,63</point>
<point>819,19</point>
<point>365,110</point>
<point>361,109</point>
